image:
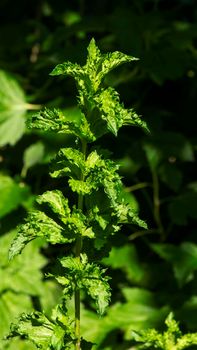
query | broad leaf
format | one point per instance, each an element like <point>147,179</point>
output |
<point>88,277</point>
<point>57,202</point>
<point>15,275</point>
<point>56,121</point>
<point>12,194</point>
<point>183,259</point>
<point>21,280</point>
<point>126,259</point>
<point>13,108</point>
<point>38,224</point>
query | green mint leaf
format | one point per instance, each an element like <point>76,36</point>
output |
<point>69,68</point>
<point>80,187</point>
<point>114,113</point>
<point>57,202</point>
<point>13,108</point>
<point>38,224</point>
<point>98,65</point>
<point>170,339</point>
<point>88,277</point>
<point>46,334</point>
<point>55,121</point>
<point>49,120</point>
<point>74,222</point>
<point>113,60</point>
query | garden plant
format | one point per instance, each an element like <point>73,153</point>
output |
<point>112,206</point>
<point>85,221</point>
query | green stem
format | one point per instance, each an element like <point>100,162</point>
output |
<point>137,186</point>
<point>156,203</point>
<point>31,106</point>
<point>78,249</point>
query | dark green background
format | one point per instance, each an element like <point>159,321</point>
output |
<point>161,86</point>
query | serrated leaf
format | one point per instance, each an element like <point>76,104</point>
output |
<point>57,202</point>
<point>69,162</point>
<point>114,113</point>
<point>35,327</point>
<point>49,120</point>
<point>86,276</point>
<point>100,106</point>
<point>12,194</point>
<point>170,339</point>
<point>80,187</point>
<point>11,305</point>
<point>46,334</point>
<point>113,60</point>
<point>13,108</point>
<point>74,223</point>
<point>38,224</point>
<point>94,56</point>
<point>98,65</point>
<point>69,68</point>
<point>56,121</point>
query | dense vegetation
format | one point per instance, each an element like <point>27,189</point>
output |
<point>153,271</point>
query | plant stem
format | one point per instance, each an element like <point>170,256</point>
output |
<point>137,186</point>
<point>31,106</point>
<point>156,202</point>
<point>78,249</point>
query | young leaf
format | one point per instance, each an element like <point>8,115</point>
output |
<point>69,68</point>
<point>171,339</point>
<point>113,60</point>
<point>98,65</point>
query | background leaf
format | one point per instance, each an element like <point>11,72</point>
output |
<point>13,108</point>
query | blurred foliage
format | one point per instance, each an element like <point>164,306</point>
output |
<point>153,271</point>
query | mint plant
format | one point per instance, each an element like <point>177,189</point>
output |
<point>85,221</point>
<point>172,339</point>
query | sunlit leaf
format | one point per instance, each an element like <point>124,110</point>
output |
<point>13,107</point>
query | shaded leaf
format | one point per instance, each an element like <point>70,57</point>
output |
<point>183,208</point>
<point>126,259</point>
<point>182,258</point>
<point>12,194</point>
<point>33,155</point>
